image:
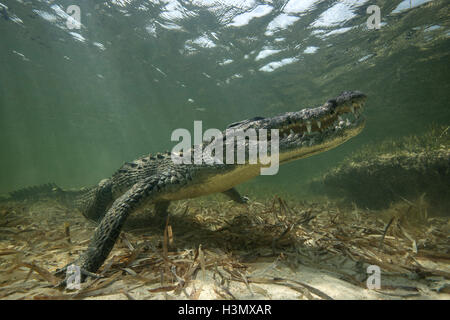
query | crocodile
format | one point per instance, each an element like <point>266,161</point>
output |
<point>155,180</point>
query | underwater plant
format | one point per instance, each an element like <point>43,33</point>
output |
<point>435,137</point>
<point>394,170</point>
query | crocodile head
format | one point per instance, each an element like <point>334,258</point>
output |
<point>311,131</point>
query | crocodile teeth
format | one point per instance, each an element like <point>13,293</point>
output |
<point>308,126</point>
<point>319,124</point>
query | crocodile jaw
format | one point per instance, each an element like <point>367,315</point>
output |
<point>311,144</point>
<point>222,178</point>
<point>301,135</point>
<point>311,131</point>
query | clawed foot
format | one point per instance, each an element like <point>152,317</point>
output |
<point>74,276</point>
<point>245,200</point>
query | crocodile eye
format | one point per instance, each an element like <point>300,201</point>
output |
<point>333,103</point>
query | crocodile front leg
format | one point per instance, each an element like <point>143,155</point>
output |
<point>234,195</point>
<point>107,232</point>
<point>161,209</point>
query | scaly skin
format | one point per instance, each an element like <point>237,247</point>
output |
<point>156,180</point>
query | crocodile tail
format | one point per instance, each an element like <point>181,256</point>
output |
<point>46,191</point>
<point>36,192</point>
<point>92,202</point>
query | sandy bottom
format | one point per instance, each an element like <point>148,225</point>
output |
<point>215,249</point>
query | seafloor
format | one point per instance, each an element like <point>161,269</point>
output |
<point>214,249</point>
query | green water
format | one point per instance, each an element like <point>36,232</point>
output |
<point>75,104</point>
